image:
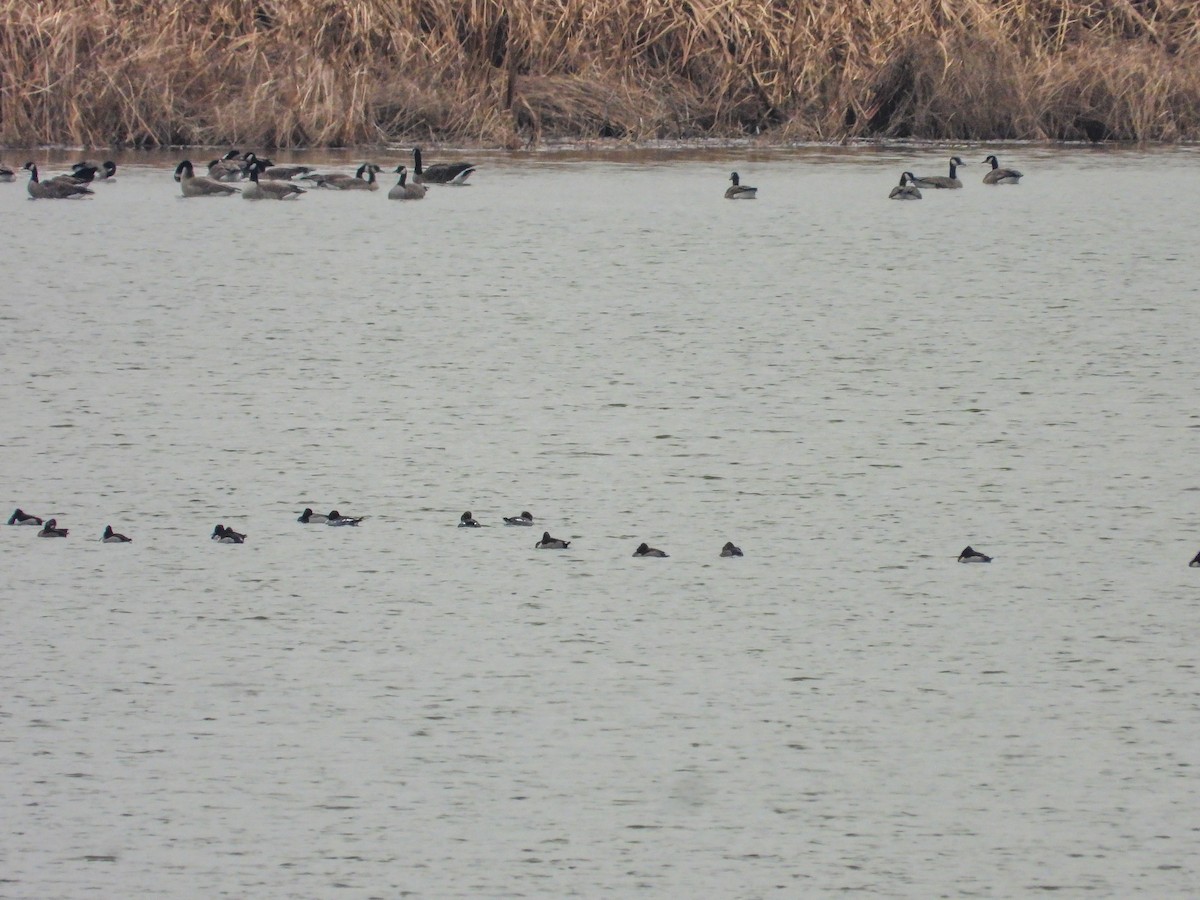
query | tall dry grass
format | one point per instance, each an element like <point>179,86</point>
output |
<point>503,72</point>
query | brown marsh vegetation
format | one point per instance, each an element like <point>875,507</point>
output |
<point>339,72</point>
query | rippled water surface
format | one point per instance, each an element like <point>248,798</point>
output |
<point>852,389</point>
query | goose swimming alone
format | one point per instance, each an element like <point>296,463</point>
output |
<point>739,191</point>
<point>1000,176</point>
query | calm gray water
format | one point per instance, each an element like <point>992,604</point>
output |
<point>851,388</point>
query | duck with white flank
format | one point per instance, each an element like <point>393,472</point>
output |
<point>971,555</point>
<point>443,173</point>
<point>730,550</point>
<point>20,517</point>
<point>51,529</point>
<point>191,185</point>
<point>223,535</point>
<point>466,520</point>
<point>550,543</point>
<point>645,550</point>
<point>739,191</point>
<point>524,518</point>
<point>1000,176</point>
<point>111,537</point>
<point>336,518</point>
<point>402,190</point>
<point>941,182</point>
<point>53,190</point>
<point>905,191</point>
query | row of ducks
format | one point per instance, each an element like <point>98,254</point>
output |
<point>224,535</point>
<point>193,185</point>
<point>525,520</point>
<point>910,184</point>
<point>971,555</point>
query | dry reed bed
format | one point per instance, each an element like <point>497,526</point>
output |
<point>338,72</point>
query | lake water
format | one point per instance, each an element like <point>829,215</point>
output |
<point>850,388</point>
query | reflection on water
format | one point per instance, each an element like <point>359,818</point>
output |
<point>850,389</point>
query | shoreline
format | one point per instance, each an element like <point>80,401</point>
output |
<point>520,75</point>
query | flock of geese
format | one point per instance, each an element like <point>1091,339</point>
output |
<point>261,178</point>
<point>223,535</point>
<point>910,184</point>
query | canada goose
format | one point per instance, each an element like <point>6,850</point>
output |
<point>193,186</point>
<point>999,175</point>
<point>7,174</point>
<point>971,555</point>
<point>52,190</point>
<point>269,190</point>
<point>99,171</point>
<point>338,181</point>
<point>905,191</point>
<point>941,181</point>
<point>739,191</point>
<point>443,173</point>
<point>230,167</point>
<point>645,550</point>
<point>550,543</point>
<point>403,191</point>
<point>112,537</point>
<point>358,183</point>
